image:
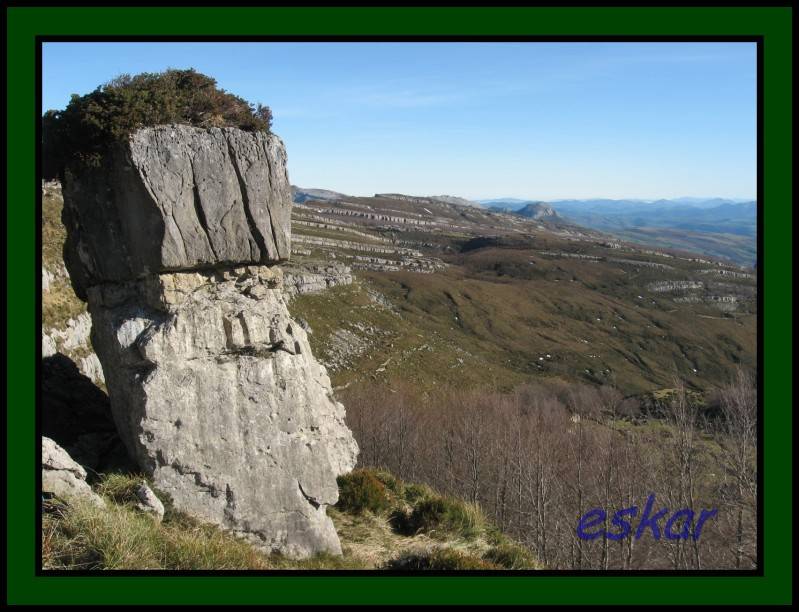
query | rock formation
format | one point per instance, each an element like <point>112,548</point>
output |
<point>212,385</point>
<point>149,502</point>
<point>63,477</point>
<point>315,277</point>
<point>178,198</point>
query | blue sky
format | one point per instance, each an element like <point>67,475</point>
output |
<point>480,120</point>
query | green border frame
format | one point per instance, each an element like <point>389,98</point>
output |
<point>773,23</point>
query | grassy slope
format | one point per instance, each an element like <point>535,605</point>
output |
<point>734,247</point>
<point>484,322</point>
<point>446,534</point>
<point>472,325</point>
<point>120,537</point>
<point>59,304</point>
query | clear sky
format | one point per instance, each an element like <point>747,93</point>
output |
<point>478,120</point>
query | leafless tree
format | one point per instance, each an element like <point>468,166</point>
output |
<point>536,459</point>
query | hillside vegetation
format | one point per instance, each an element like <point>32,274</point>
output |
<point>383,523</point>
<point>59,302</point>
<point>519,372</point>
<point>541,371</point>
<point>500,317</point>
<point>538,458</point>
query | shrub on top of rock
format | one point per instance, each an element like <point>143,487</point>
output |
<point>80,134</point>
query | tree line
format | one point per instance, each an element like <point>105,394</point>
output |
<point>539,458</point>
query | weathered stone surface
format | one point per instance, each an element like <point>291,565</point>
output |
<point>49,347</point>
<point>149,502</point>
<point>63,477</point>
<point>216,394</point>
<point>51,276</point>
<point>177,197</point>
<point>47,279</point>
<point>315,277</point>
<point>675,286</point>
<point>213,388</point>
<point>74,340</point>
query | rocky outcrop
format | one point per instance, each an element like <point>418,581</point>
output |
<point>178,198</point>
<point>215,391</point>
<point>405,218</point>
<point>567,255</point>
<point>63,477</point>
<point>348,229</point>
<point>149,502</point>
<point>75,335</point>
<point>430,200</point>
<point>539,212</point>
<point>423,265</point>
<point>728,273</point>
<point>74,340</point>
<point>675,285</point>
<point>313,278</point>
<point>637,263</point>
<point>49,277</point>
<point>355,246</point>
<point>212,384</point>
<point>77,415</point>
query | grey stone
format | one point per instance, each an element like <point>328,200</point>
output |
<point>212,385</point>
<point>47,279</point>
<point>315,277</point>
<point>216,394</point>
<point>149,502</point>
<point>177,197</point>
<point>90,366</point>
<point>49,347</point>
<point>63,477</point>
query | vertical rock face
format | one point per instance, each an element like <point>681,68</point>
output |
<point>213,386</point>
<point>178,198</point>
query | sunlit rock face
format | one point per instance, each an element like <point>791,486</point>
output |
<point>213,386</point>
<point>177,198</point>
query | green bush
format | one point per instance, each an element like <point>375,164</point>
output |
<point>441,559</point>
<point>413,493</point>
<point>388,480</point>
<point>80,135</point>
<point>510,556</point>
<point>440,515</point>
<point>120,488</point>
<point>360,490</point>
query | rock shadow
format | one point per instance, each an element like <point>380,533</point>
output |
<point>76,413</point>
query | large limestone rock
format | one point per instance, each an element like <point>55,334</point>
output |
<point>177,197</point>
<point>215,391</point>
<point>213,387</point>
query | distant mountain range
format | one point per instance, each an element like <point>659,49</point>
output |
<point>532,210</point>
<point>715,216</point>
<point>608,205</point>
<point>303,194</point>
<point>716,226</point>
